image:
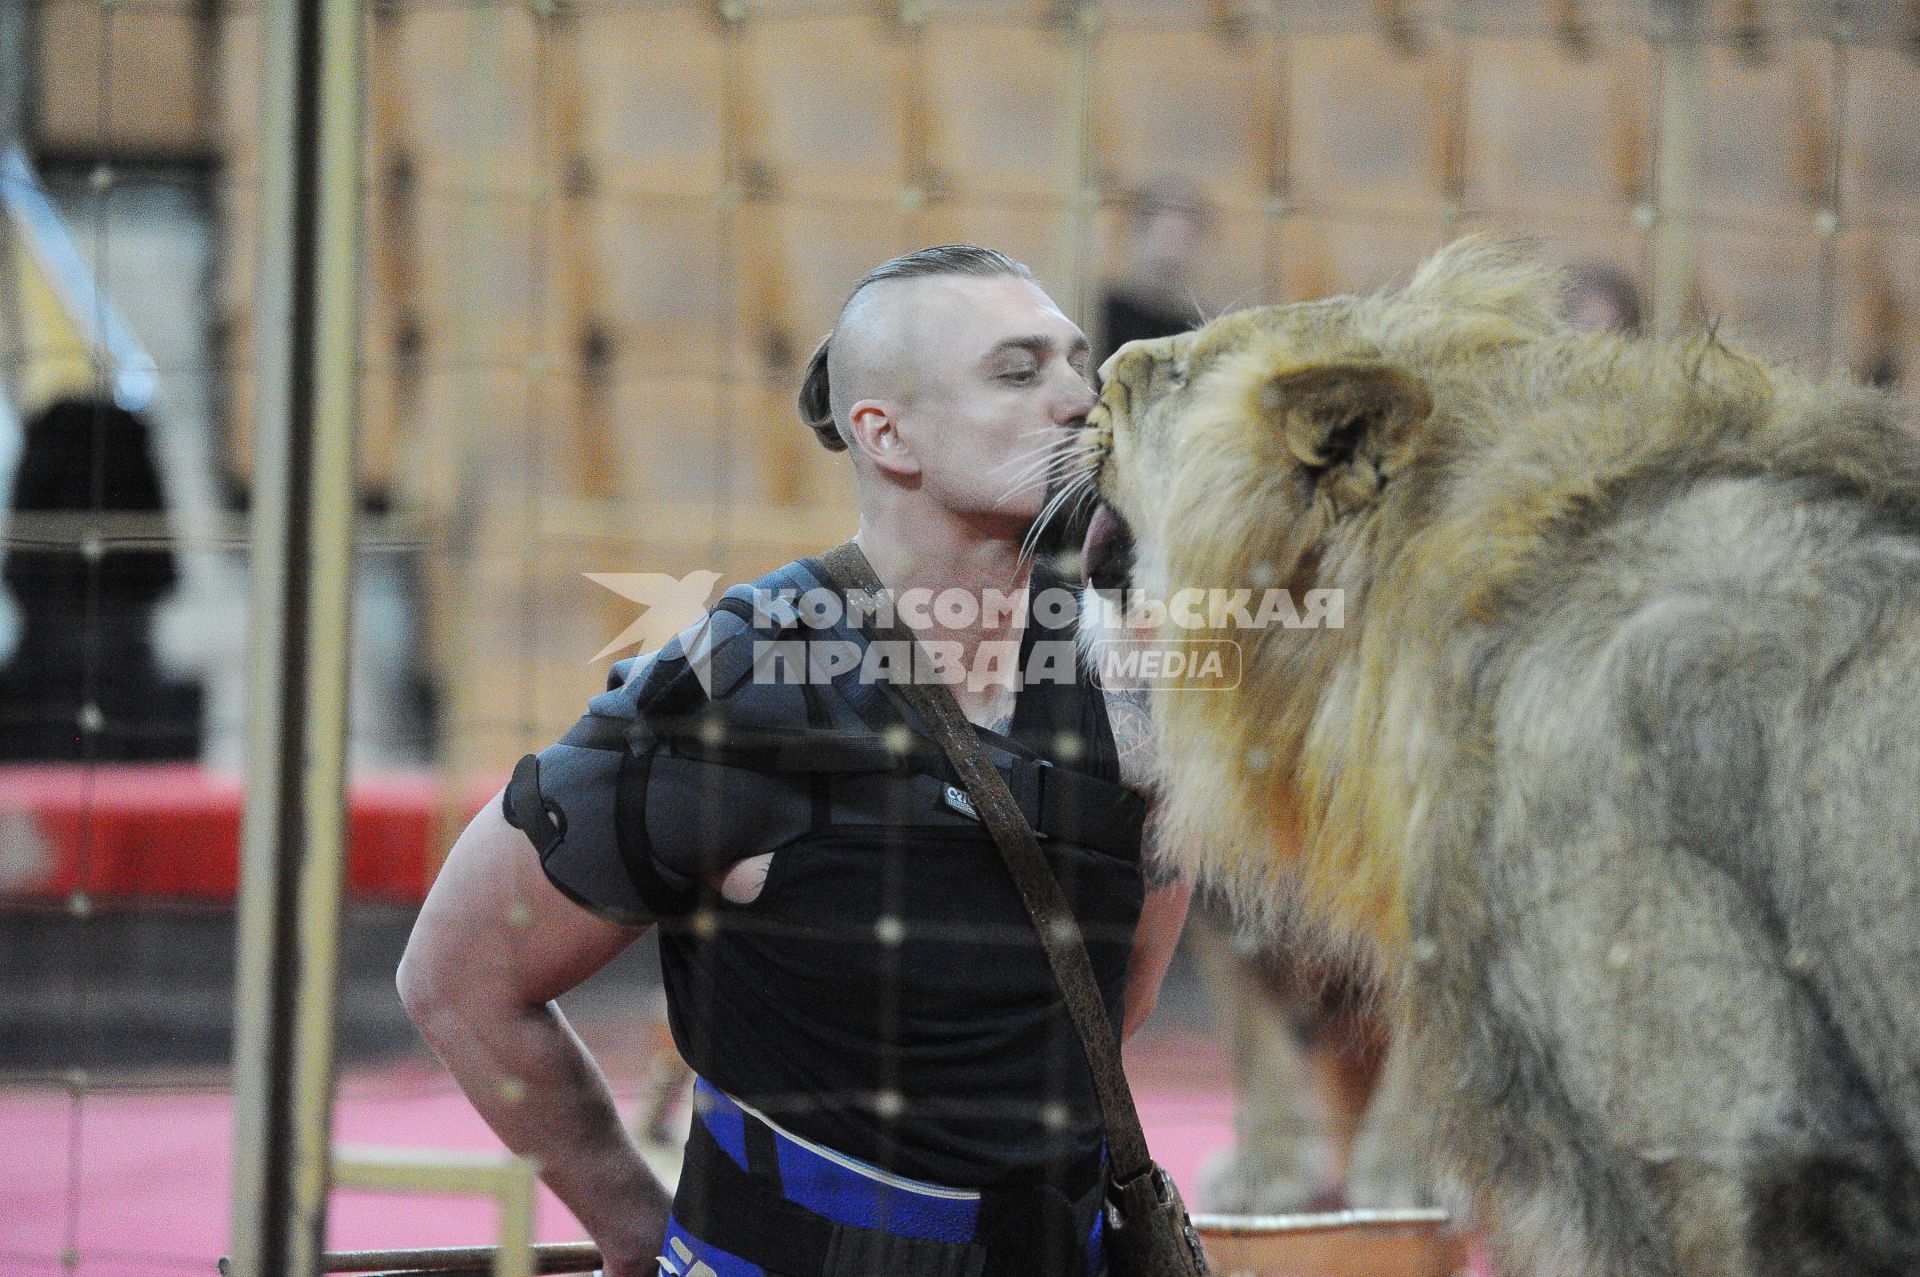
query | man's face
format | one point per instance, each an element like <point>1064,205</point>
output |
<point>998,375</point>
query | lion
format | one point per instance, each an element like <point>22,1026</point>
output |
<point>1610,771</point>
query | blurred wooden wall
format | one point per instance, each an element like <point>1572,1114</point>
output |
<point>602,235</point>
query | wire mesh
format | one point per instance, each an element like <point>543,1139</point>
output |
<point>602,236</point>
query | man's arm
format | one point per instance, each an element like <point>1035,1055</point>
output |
<point>1169,892</point>
<point>494,944</point>
<point>1162,917</point>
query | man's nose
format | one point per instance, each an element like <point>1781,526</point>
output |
<point>1075,403</point>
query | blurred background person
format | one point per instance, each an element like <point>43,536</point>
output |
<point>1168,224</point>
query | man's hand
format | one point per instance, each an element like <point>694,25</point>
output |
<point>494,944</point>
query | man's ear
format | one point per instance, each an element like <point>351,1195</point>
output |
<point>1341,420</point>
<point>875,427</point>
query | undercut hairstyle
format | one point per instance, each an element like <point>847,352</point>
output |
<point>816,399</point>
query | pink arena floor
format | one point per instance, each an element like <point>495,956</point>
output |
<point>134,1179</point>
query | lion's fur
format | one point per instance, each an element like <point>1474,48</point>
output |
<point>1617,722</point>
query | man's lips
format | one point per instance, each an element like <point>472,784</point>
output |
<point>1106,557</point>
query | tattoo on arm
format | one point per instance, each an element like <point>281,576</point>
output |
<point>1133,741</point>
<point>1132,735</point>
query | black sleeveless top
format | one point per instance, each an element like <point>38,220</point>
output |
<point>885,994</point>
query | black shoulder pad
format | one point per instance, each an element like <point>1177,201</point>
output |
<point>521,803</point>
<point>727,647</point>
<point>713,678</point>
<point>747,615</point>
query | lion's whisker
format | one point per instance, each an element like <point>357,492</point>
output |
<point>1042,473</point>
<point>1043,479</point>
<point>1049,466</point>
<point>1048,449</point>
<point>1030,544</point>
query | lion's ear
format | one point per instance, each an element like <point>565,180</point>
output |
<point>1340,421</point>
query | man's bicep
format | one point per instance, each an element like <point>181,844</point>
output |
<point>494,926</point>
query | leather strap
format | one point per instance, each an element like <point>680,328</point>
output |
<point>1046,904</point>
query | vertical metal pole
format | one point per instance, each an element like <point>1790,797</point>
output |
<point>1677,165</point>
<point>1080,287</point>
<point>738,153</point>
<point>16,82</point>
<point>1827,218</point>
<point>293,833</point>
<point>16,72</point>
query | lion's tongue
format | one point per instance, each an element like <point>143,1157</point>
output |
<point>1102,535</point>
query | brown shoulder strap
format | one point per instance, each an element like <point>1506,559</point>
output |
<point>1039,890</point>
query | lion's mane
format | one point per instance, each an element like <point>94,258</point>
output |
<point>1539,432</point>
<point>1657,563</point>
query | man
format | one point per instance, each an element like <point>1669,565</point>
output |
<point>887,1081</point>
<point>1169,223</point>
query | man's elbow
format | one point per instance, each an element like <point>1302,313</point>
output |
<point>427,990</point>
<point>453,991</point>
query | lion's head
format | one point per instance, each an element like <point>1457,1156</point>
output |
<point>1297,415</point>
<point>1260,452</point>
<point>1427,452</point>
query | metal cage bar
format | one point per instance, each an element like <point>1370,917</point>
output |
<point>293,835</point>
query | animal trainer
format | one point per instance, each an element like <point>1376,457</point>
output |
<point>887,1081</point>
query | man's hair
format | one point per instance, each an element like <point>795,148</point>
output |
<point>816,400</point>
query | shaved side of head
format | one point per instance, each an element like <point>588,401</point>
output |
<point>876,347</point>
<point>876,350</point>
